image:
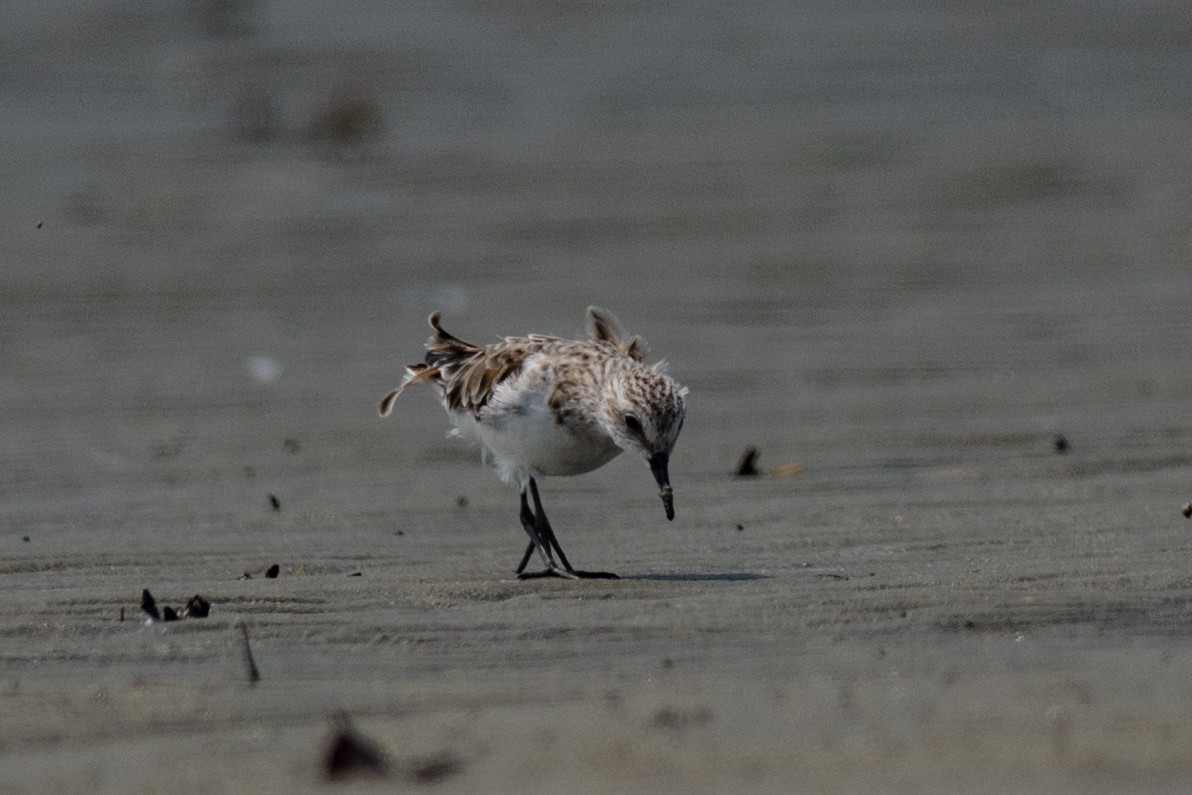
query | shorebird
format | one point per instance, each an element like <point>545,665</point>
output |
<point>544,405</point>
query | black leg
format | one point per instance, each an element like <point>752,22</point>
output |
<point>526,557</point>
<point>542,525</point>
<point>542,536</point>
<point>549,538</point>
<point>537,542</point>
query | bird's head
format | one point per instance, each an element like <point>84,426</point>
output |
<point>643,412</point>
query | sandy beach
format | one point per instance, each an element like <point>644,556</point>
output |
<point>932,263</point>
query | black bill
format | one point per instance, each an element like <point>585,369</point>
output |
<point>658,463</point>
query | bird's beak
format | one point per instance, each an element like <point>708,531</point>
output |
<point>658,463</point>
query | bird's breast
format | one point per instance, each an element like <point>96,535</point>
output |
<point>537,441</point>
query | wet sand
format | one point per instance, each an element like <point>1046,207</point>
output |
<point>907,251</point>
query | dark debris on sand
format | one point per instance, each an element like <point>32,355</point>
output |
<point>250,663</point>
<point>270,573</point>
<point>149,605</point>
<point>197,607</point>
<point>747,465</point>
<point>352,754</point>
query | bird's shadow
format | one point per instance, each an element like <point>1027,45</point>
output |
<point>728,576</point>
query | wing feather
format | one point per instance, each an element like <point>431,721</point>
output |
<point>465,373</point>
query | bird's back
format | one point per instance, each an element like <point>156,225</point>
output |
<point>467,374</point>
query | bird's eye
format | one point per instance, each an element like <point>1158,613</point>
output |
<point>633,424</point>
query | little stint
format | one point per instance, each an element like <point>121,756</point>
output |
<point>550,406</point>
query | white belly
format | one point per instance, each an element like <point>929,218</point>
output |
<point>529,441</point>
<point>547,450</point>
<point>534,443</point>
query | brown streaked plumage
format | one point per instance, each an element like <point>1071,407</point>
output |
<point>551,406</point>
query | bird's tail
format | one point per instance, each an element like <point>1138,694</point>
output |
<point>445,354</point>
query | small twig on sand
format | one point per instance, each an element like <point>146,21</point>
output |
<point>254,675</point>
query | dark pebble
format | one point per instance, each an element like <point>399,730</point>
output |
<point>274,502</point>
<point>149,605</point>
<point>272,572</point>
<point>1061,443</point>
<point>197,607</point>
<point>1186,511</point>
<point>169,614</point>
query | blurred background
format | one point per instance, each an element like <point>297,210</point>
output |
<point>931,258</point>
<point>877,236</point>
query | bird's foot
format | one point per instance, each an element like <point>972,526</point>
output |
<point>553,571</point>
<point>567,575</point>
